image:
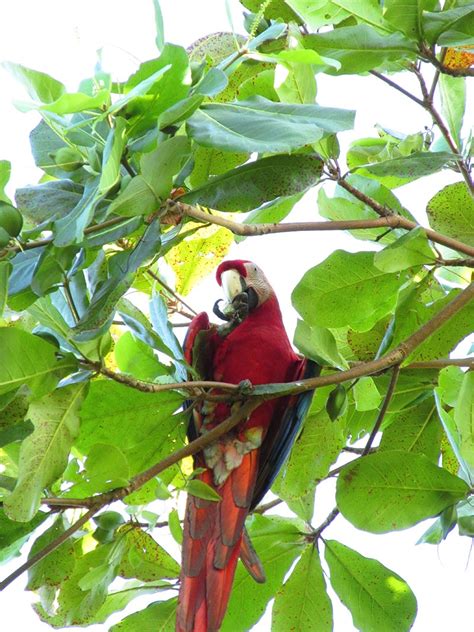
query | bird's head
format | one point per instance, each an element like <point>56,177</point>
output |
<point>240,277</point>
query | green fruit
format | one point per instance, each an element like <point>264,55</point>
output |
<point>4,238</point>
<point>10,219</point>
<point>68,159</point>
<point>109,520</point>
<point>337,402</point>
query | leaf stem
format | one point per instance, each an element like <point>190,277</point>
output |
<point>396,86</point>
<point>383,410</point>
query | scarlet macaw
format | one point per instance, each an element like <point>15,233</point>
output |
<point>241,465</point>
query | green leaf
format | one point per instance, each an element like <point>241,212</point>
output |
<point>27,359</point>
<point>112,156</point>
<point>361,48</point>
<point>69,229</point>
<point>264,126</point>
<point>202,490</point>
<point>159,617</point>
<point>144,558</point>
<point>449,384</point>
<point>435,24</point>
<point>308,463</point>
<point>366,394</point>
<point>180,111</point>
<point>379,599</point>
<point>136,358</point>
<point>318,344</point>
<point>388,491</point>
<point>5,172</point>
<point>278,542</point>
<point>464,419</point>
<point>55,567</point>
<point>44,453</point>
<point>139,89</point>
<point>159,26</point>
<point>417,165</point>
<point>317,14</point>
<point>141,425</point>
<point>302,600</point>
<point>195,257</point>
<point>347,289</point>
<point>249,186</point>
<point>14,534</point>
<point>412,249</point>
<point>210,162</point>
<point>105,468</point>
<point>271,212</point>
<point>69,103</point>
<point>406,17</point>
<point>278,9</point>
<point>453,103</point>
<point>145,192</point>
<point>40,86</point>
<point>416,310</point>
<point>47,201</point>
<point>415,430</point>
<point>5,269</point>
<point>451,212</point>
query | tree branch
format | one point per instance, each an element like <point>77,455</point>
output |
<point>383,410</point>
<point>387,219</point>
<point>396,86</point>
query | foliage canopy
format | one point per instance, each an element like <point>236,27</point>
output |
<point>147,170</point>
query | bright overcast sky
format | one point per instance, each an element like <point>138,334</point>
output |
<point>62,38</point>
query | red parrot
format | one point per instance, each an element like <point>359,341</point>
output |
<point>242,464</point>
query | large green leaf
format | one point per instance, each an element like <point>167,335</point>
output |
<point>14,534</point>
<point>438,23</point>
<point>451,212</point>
<point>263,126</point>
<point>302,603</point>
<point>453,103</point>
<point>417,165</point>
<point>56,566</point>
<point>47,201</point>
<point>412,249</point>
<point>406,17</point>
<point>145,559</point>
<point>159,617</point>
<point>248,187</point>
<point>142,425</point>
<point>315,450</point>
<point>44,453</point>
<point>379,599</point>
<point>319,344</point>
<point>209,161</point>
<point>464,419</point>
<point>346,289</point>
<point>394,490</point>
<point>27,359</point>
<point>317,14</point>
<point>361,48</point>
<point>40,86</point>
<point>278,541</point>
<point>415,430</point>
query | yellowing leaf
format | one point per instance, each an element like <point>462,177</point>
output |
<point>459,58</point>
<point>195,257</point>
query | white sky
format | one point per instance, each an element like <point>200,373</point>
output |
<point>61,38</point>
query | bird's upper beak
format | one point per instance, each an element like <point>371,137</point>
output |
<point>232,284</point>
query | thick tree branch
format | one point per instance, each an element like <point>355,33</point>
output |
<point>387,219</point>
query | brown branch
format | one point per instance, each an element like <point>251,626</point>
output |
<point>396,86</point>
<point>383,410</point>
<point>441,67</point>
<point>387,219</point>
<point>266,506</point>
<point>442,363</point>
<point>34,559</point>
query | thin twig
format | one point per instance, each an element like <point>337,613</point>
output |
<point>396,86</point>
<point>266,506</point>
<point>173,293</point>
<point>70,300</point>
<point>383,410</point>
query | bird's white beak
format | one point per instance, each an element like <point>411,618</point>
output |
<point>231,284</point>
